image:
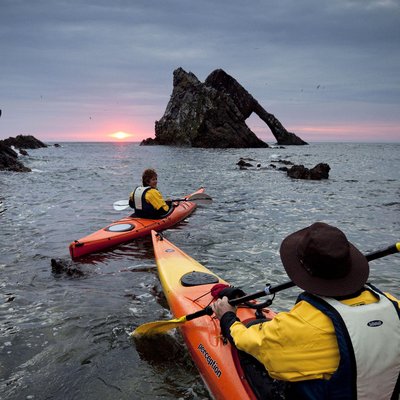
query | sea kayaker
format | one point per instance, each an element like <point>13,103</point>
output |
<point>146,200</point>
<point>340,340</point>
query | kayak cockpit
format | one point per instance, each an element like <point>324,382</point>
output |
<point>124,227</point>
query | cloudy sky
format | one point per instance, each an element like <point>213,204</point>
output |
<point>81,70</point>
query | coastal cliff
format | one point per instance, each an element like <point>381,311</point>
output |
<point>213,115</point>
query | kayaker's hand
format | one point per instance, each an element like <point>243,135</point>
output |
<point>169,203</point>
<point>221,306</point>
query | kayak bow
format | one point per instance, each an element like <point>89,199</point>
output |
<point>187,286</point>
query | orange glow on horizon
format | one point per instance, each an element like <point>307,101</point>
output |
<point>339,132</point>
<point>350,131</point>
<point>120,135</point>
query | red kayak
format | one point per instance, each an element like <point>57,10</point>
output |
<point>130,228</point>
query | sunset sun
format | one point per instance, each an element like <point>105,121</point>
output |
<point>120,135</point>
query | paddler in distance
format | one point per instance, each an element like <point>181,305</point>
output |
<point>146,200</point>
<point>342,338</point>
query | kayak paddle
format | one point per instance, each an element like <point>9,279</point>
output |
<point>157,327</point>
<point>198,198</point>
<point>152,328</point>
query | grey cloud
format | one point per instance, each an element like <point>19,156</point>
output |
<point>84,52</point>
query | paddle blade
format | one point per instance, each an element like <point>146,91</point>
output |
<point>121,205</point>
<point>200,199</point>
<point>158,327</point>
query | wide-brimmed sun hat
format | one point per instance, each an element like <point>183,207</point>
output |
<point>320,260</point>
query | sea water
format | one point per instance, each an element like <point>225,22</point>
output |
<point>65,336</point>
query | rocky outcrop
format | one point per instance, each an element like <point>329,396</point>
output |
<point>24,142</point>
<point>213,114</point>
<point>320,171</point>
<point>244,162</point>
<point>247,105</point>
<point>9,157</point>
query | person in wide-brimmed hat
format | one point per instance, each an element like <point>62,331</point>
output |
<point>340,340</point>
<point>320,260</point>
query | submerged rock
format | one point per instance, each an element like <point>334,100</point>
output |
<point>243,163</point>
<point>320,171</point>
<point>213,114</point>
<point>60,266</point>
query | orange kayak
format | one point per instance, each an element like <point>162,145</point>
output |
<point>130,228</point>
<point>187,285</point>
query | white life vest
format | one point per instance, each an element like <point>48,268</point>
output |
<point>138,196</point>
<point>374,330</point>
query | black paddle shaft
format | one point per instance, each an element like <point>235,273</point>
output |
<point>382,253</point>
<point>275,289</point>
